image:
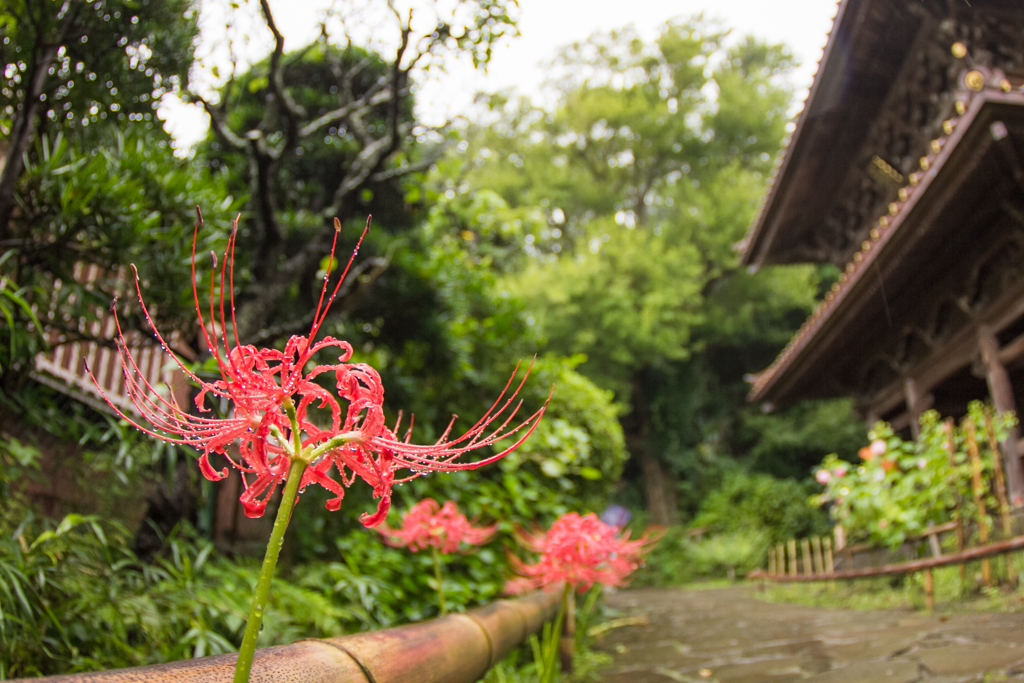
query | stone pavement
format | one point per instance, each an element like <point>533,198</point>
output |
<point>728,636</point>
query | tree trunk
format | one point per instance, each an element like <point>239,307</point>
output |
<point>659,487</point>
<point>23,128</point>
<point>660,491</point>
<point>22,134</point>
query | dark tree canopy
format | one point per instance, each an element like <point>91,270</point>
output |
<point>89,176</point>
<point>327,132</point>
<point>68,65</point>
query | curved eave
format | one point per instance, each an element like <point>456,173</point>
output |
<point>774,383</point>
<point>758,234</point>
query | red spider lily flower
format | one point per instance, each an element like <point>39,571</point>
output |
<point>270,392</point>
<point>581,551</point>
<point>429,525</point>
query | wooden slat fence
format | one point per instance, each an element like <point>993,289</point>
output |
<point>63,368</point>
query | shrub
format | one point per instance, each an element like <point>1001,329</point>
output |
<point>760,503</point>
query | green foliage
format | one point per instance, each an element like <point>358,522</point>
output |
<point>126,200</point>
<point>627,199</point>
<point>728,553</point>
<point>789,443</point>
<point>74,598</point>
<point>668,563</point>
<point>13,303</point>
<point>637,300</point>
<point>739,520</point>
<point>110,60</point>
<point>645,181</point>
<point>749,503</point>
<point>902,486</point>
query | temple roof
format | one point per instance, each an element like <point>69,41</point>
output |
<point>939,217</point>
<point>869,42</point>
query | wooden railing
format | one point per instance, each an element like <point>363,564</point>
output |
<point>458,648</point>
<point>820,565</point>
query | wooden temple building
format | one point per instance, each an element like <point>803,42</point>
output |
<point>906,170</point>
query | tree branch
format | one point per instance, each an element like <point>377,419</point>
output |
<point>292,111</point>
<point>361,276</point>
<point>377,94</point>
<point>220,126</point>
<point>402,171</point>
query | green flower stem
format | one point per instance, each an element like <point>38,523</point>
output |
<point>551,646</point>
<point>439,578</point>
<point>331,444</point>
<point>588,608</point>
<point>259,600</point>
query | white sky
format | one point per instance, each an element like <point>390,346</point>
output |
<point>544,25</point>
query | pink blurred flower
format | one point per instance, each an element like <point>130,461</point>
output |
<point>582,551</point>
<point>268,389</point>
<point>429,525</point>
<point>840,471</point>
<point>823,476</point>
<point>878,447</point>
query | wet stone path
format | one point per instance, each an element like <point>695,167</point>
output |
<point>728,636</point>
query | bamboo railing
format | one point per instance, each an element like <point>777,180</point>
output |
<point>458,648</point>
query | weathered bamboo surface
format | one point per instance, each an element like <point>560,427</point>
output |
<point>971,554</point>
<point>458,648</point>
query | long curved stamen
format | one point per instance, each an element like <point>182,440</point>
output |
<point>231,281</point>
<point>321,315</point>
<point>195,290</point>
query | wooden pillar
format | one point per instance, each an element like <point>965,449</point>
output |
<point>913,406</point>
<point>1002,398</point>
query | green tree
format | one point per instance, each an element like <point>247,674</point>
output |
<point>72,64</point>
<point>88,176</point>
<point>337,136</point>
<point>647,172</point>
<point>327,131</point>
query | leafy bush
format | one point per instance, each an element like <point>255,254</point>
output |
<point>901,486</point>
<point>740,519</point>
<point>753,503</point>
<point>74,598</point>
<point>727,553</point>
